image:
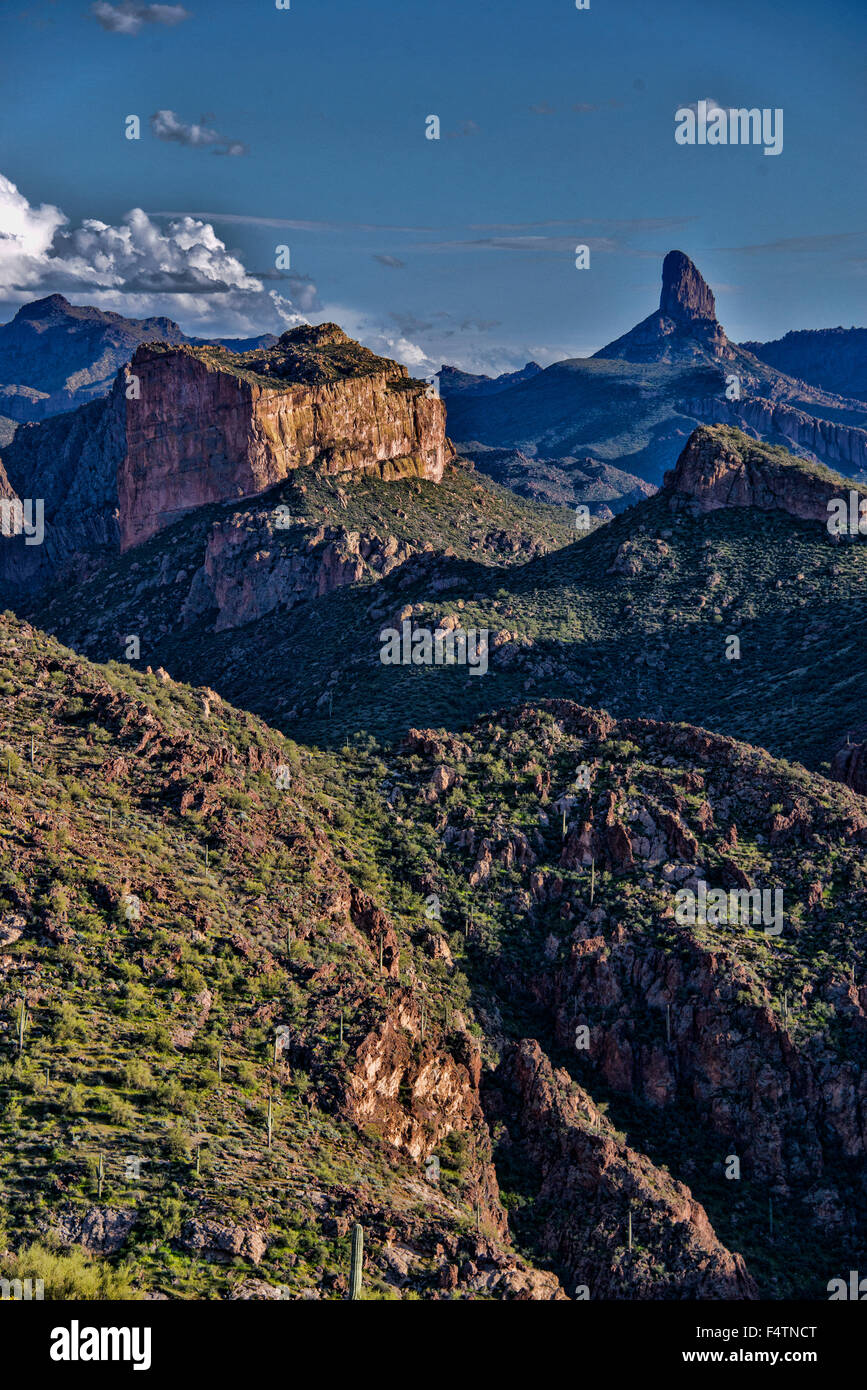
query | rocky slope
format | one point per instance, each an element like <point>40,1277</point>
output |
<point>565,837</point>
<point>639,615</point>
<point>236,991</point>
<point>227,566</point>
<point>168,907</point>
<point>185,427</point>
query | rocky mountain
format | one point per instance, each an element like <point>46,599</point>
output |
<point>637,616</point>
<point>718,468</point>
<point>833,358</point>
<point>185,427</point>
<point>434,990</point>
<point>635,402</point>
<point>683,329</point>
<point>55,356</point>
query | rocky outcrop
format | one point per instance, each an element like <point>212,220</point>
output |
<point>216,1238</point>
<point>722,467</point>
<point>248,571</point>
<point>849,765</point>
<point>99,1230</point>
<point>413,1088</point>
<point>686,295</point>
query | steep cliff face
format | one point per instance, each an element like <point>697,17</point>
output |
<point>187,426</point>
<point>209,425</point>
<point>686,295</point>
<point>823,441</point>
<point>721,467</point>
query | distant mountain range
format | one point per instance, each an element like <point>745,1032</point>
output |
<point>602,488</point>
<point>55,356</point>
<point>635,402</point>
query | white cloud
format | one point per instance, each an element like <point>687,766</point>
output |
<point>140,269</point>
<point>165,125</point>
<point>129,17</point>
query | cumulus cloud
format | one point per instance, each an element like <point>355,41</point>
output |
<point>137,268</point>
<point>129,17</point>
<point>165,125</point>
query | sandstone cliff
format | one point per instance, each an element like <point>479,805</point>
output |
<point>212,425</point>
<point>187,426</point>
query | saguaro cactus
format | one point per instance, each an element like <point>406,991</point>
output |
<point>357,1260</point>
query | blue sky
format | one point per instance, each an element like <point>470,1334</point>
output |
<point>557,128</point>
